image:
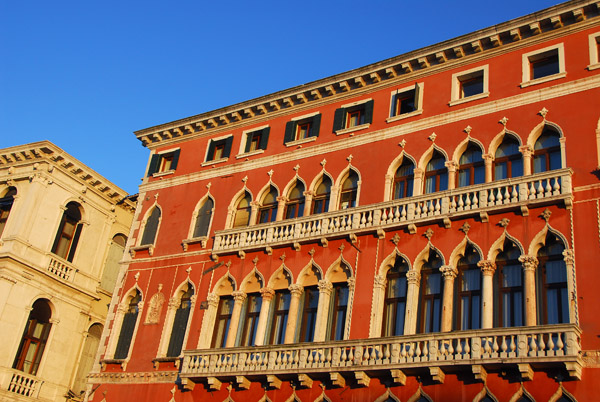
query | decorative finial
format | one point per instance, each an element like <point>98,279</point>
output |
<point>270,173</point>
<point>323,163</point>
<point>160,286</point>
<point>245,179</point>
<point>137,276</point>
<point>156,197</point>
<point>546,215</point>
<point>282,257</point>
<point>504,222</point>
<point>402,143</point>
<point>209,185</point>
<point>311,252</point>
<point>468,130</point>
<point>465,228</point>
<point>395,239</point>
<point>428,233</point>
<point>296,168</point>
<point>543,112</point>
<point>349,158</point>
<point>189,270</point>
<point>503,121</point>
<point>255,261</point>
<point>432,137</point>
<point>228,264</point>
<point>341,247</point>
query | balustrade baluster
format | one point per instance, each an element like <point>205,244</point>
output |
<point>461,203</point>
<point>532,191</point>
<point>418,210</point>
<point>403,213</point>
<point>503,346</point>
<point>548,188</point>
<point>468,201</point>
<point>560,345</point>
<point>551,345</point>
<point>532,346</point>
<point>556,187</point>
<point>453,203</point>
<point>542,345</point>
<point>467,347</point>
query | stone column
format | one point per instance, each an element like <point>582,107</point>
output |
<point>530,263</point>
<point>487,292</point>
<point>388,190</point>
<point>418,175</point>
<point>451,166</point>
<point>238,301</point>
<point>569,258</point>
<point>488,160</point>
<point>412,302</point>
<point>449,273</point>
<point>172,306</point>
<point>325,288</point>
<point>292,321</point>
<point>281,200</point>
<point>377,306</point>
<point>208,321</point>
<point>267,296</point>
<point>527,152</point>
<point>253,213</point>
<point>308,196</point>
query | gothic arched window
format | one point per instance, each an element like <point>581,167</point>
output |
<point>430,294</point>
<point>294,208</point>
<point>552,282</point>
<point>242,211</point>
<point>321,198</point>
<point>468,290</point>
<point>436,173</point>
<point>128,326</point>
<point>508,287</point>
<point>404,179</point>
<point>268,208</point>
<point>471,169</point>
<point>203,218</point>
<point>394,305</point>
<point>546,151</point>
<point>151,227</point>
<point>6,203</point>
<point>349,191</point>
<point>180,322</point>
<point>508,161</point>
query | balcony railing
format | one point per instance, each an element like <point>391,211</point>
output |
<point>61,268</point>
<point>541,346</point>
<point>19,383</point>
<point>520,192</point>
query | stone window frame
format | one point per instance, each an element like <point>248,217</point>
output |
<point>418,87</point>
<point>456,97</point>
<point>594,45</point>
<point>529,57</point>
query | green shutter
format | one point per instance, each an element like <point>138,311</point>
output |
<point>129,321</point>
<point>227,150</point>
<point>290,132</point>
<point>153,164</point>
<point>369,112</point>
<point>211,151</point>
<point>175,159</point>
<point>339,119</point>
<point>316,125</point>
<point>264,138</point>
<point>248,142</point>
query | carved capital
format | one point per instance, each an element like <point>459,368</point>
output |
<point>487,267</point>
<point>173,303</point>
<point>569,257</point>
<point>488,158</point>
<point>413,277</point>
<point>526,150</point>
<point>238,296</point>
<point>529,262</point>
<point>451,165</point>
<point>351,282</point>
<point>418,173</point>
<point>296,290</point>
<point>325,286</point>
<point>380,282</point>
<point>448,271</point>
<point>267,293</point>
<point>212,299</point>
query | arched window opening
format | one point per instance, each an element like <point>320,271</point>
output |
<point>436,173</point>
<point>111,266</point>
<point>204,217</point>
<point>151,227</point>
<point>508,287</point>
<point>404,179</point>
<point>6,203</point>
<point>281,303</point>
<point>508,160</point>
<point>309,314</point>
<point>430,304</point>
<point>552,282</point>
<point>68,233</point>
<point>88,355</point>
<point>268,209</point>
<point>339,310</point>
<point>242,212</point>
<point>468,291</point>
<point>129,321</point>
<point>35,336</point>
<point>294,208</point>
<point>321,197</point>
<point>253,306</point>
<point>180,322</point>
<point>394,307</point>
<point>349,192</point>
<point>546,151</point>
<point>471,169</point>
<point>222,321</point>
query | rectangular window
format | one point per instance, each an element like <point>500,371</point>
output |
<point>469,85</point>
<point>543,65</point>
<point>353,116</point>
<point>256,139</point>
<point>219,149</point>
<point>406,102</point>
<point>302,129</point>
<point>594,40</point>
<point>163,162</point>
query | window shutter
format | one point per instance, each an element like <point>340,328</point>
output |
<point>290,132</point>
<point>175,159</point>
<point>151,228</point>
<point>211,151</point>
<point>153,164</point>
<point>369,112</point>
<point>417,96</point>
<point>59,233</point>
<point>203,219</point>
<point>178,332</point>
<point>264,138</point>
<point>125,335</point>
<point>227,149</point>
<point>248,142</point>
<point>339,119</point>
<point>316,125</point>
<point>74,242</point>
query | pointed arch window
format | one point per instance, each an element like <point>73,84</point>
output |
<point>68,233</point>
<point>552,282</point>
<point>294,208</point>
<point>242,211</point>
<point>280,316</point>
<point>404,179</point>
<point>222,321</point>
<point>6,203</point>
<point>546,151</point>
<point>253,306</point>
<point>339,310</point>
<point>468,291</point>
<point>508,287</point>
<point>151,227</point>
<point>111,266</point>
<point>508,161</point>
<point>35,336</point>
<point>309,313</point>
<point>394,307</point>
<point>471,169</point>
<point>349,191</point>
<point>128,326</point>
<point>268,209</point>
<point>203,218</point>
<point>430,303</point>
<point>321,197</point>
<point>436,173</point>
<point>182,315</point>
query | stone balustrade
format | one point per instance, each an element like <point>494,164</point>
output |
<point>19,383</point>
<point>521,192</point>
<point>61,268</point>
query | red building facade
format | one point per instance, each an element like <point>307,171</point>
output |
<point>423,228</point>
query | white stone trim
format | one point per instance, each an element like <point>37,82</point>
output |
<point>360,102</point>
<point>594,56</point>
<point>210,141</point>
<point>247,154</point>
<point>305,116</point>
<point>214,162</point>
<point>455,96</point>
<point>300,142</point>
<point>352,129</point>
<point>526,62</point>
<point>418,87</point>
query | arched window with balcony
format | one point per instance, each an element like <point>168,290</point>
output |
<point>294,207</point>
<point>253,306</point>
<point>552,282</point>
<point>508,161</point>
<point>281,309</point>
<point>508,287</point>
<point>430,294</point>
<point>546,151</point>
<point>35,336</point>
<point>320,202</point>
<point>203,218</point>
<point>309,279</point>
<point>6,203</point>
<point>349,191</point>
<point>69,232</point>
<point>268,207</point>
<point>471,168</point>
<point>151,227</point>
<point>242,211</point>
<point>468,285</point>
<point>436,173</point>
<point>222,321</point>
<point>404,179</point>
<point>394,305</point>
<point>180,321</point>
<point>128,324</point>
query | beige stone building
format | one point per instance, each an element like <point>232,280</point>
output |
<point>63,230</point>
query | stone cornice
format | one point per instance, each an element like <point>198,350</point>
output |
<point>45,151</point>
<point>355,81</point>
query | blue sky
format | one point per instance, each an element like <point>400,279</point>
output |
<point>86,74</point>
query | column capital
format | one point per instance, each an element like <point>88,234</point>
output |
<point>413,277</point>
<point>296,290</point>
<point>212,299</point>
<point>325,286</point>
<point>239,296</point>
<point>451,165</point>
<point>351,282</point>
<point>418,172</point>
<point>529,262</point>
<point>526,150</point>
<point>267,293</point>
<point>569,256</point>
<point>487,267</point>
<point>448,271</point>
<point>173,303</point>
<point>308,193</point>
<point>380,282</point>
